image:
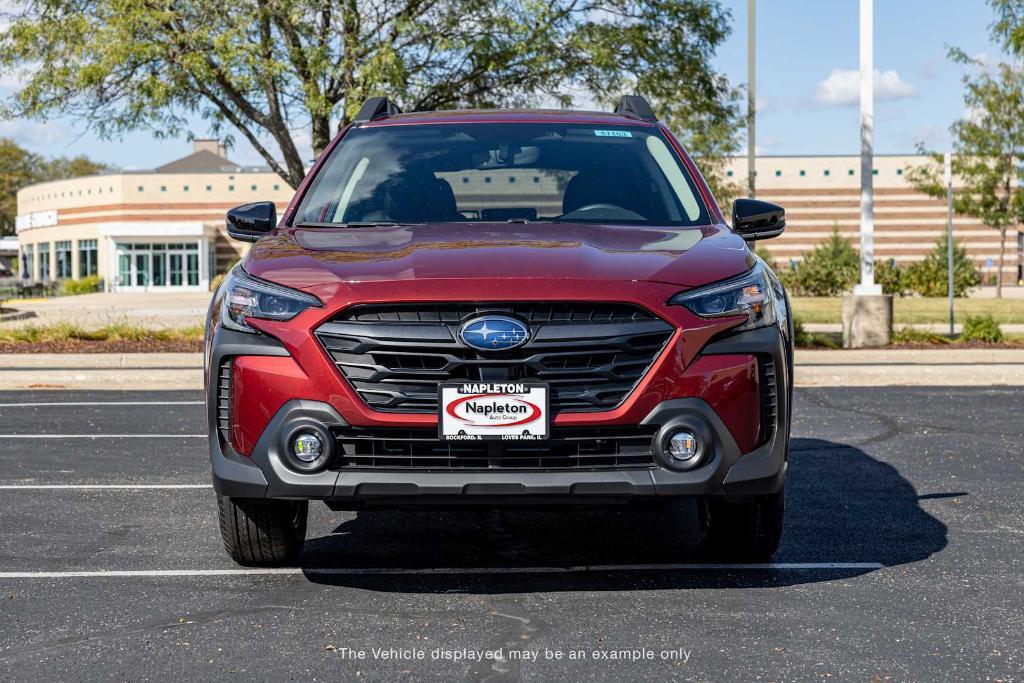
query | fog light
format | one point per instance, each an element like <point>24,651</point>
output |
<point>683,447</point>
<point>307,447</point>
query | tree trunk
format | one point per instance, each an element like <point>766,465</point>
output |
<point>1002,258</point>
<point>321,134</point>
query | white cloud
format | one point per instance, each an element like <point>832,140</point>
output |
<point>36,135</point>
<point>843,87</point>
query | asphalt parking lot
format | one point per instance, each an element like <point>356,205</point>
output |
<point>901,558</point>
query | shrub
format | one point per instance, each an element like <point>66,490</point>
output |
<point>829,270</point>
<point>765,256</point>
<point>892,278</point>
<point>981,328</point>
<point>215,281</point>
<point>804,339</point>
<point>930,277</point>
<point>911,335</point>
<point>84,286</point>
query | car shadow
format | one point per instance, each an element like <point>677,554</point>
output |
<point>842,506</point>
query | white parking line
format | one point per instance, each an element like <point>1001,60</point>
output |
<point>389,571</point>
<point>103,436</point>
<point>101,403</point>
<point>87,487</point>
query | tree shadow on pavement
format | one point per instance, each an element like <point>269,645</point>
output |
<point>842,506</point>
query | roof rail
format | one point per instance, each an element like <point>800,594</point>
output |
<point>375,108</point>
<point>635,107</point>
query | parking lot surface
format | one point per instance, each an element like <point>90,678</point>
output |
<point>901,558</point>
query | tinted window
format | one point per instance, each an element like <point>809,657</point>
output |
<point>499,172</point>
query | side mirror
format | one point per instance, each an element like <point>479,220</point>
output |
<point>249,222</point>
<point>753,219</point>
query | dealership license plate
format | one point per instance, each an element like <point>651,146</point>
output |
<point>493,410</point>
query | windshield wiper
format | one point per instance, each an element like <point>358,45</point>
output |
<point>350,224</point>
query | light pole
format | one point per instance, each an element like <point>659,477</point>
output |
<point>751,99</point>
<point>867,124</point>
<point>867,313</point>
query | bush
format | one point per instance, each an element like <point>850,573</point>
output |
<point>84,286</point>
<point>765,256</point>
<point>215,281</point>
<point>803,339</point>
<point>892,278</point>
<point>911,335</point>
<point>981,328</point>
<point>930,277</point>
<point>829,270</point>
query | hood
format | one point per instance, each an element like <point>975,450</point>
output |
<point>309,257</point>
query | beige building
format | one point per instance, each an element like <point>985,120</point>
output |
<point>141,230</point>
<point>164,229</point>
<point>823,192</point>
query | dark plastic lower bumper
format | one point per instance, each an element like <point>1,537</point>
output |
<point>725,471</point>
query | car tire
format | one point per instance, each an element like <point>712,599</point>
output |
<point>746,531</point>
<point>262,533</point>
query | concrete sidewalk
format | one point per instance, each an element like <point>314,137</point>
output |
<point>938,328</point>
<point>814,368</point>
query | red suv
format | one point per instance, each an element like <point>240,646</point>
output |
<point>500,308</point>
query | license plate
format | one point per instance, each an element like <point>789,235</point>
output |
<point>510,411</point>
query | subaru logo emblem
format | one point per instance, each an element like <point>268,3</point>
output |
<point>494,333</point>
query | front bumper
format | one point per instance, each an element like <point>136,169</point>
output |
<point>726,471</point>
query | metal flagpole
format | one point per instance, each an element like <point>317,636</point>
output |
<point>949,233</point>
<point>751,99</point>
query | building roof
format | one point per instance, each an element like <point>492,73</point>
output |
<point>202,161</point>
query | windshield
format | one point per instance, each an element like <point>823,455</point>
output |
<point>445,173</point>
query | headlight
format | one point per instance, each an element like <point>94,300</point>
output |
<point>750,294</point>
<point>248,297</point>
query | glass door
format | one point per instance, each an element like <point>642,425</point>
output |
<point>141,269</point>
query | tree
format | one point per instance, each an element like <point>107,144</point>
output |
<point>930,277</point>
<point>272,69</point>
<point>19,167</point>
<point>987,144</point>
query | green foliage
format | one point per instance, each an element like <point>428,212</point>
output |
<point>19,167</point>
<point>265,69</point>
<point>982,328</point>
<point>892,277</point>
<point>987,143</point>
<point>930,277</point>
<point>808,340</point>
<point>914,336</point>
<point>829,270</point>
<point>59,332</point>
<point>86,285</point>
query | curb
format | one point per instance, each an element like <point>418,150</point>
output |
<point>14,314</point>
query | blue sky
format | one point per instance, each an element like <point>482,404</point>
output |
<point>807,62</point>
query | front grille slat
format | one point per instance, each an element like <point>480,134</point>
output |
<point>591,354</point>
<point>224,401</point>
<point>403,449</point>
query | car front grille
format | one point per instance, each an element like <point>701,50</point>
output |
<point>590,354</point>
<point>589,449</point>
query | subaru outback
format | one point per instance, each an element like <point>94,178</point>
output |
<point>500,308</point>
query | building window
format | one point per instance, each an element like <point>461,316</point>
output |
<point>728,173</point>
<point>44,261</point>
<point>874,171</point>
<point>277,188</point>
<point>231,188</point>
<point>63,261</point>
<point>163,188</point>
<point>465,180</point>
<point>184,188</point>
<point>487,178</point>
<point>778,173</point>
<point>850,172</point>
<point>536,178</point>
<point>141,188</point>
<point>87,258</point>
<point>899,171</point>
<point>803,173</point>
<point>209,188</point>
<point>828,172</point>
